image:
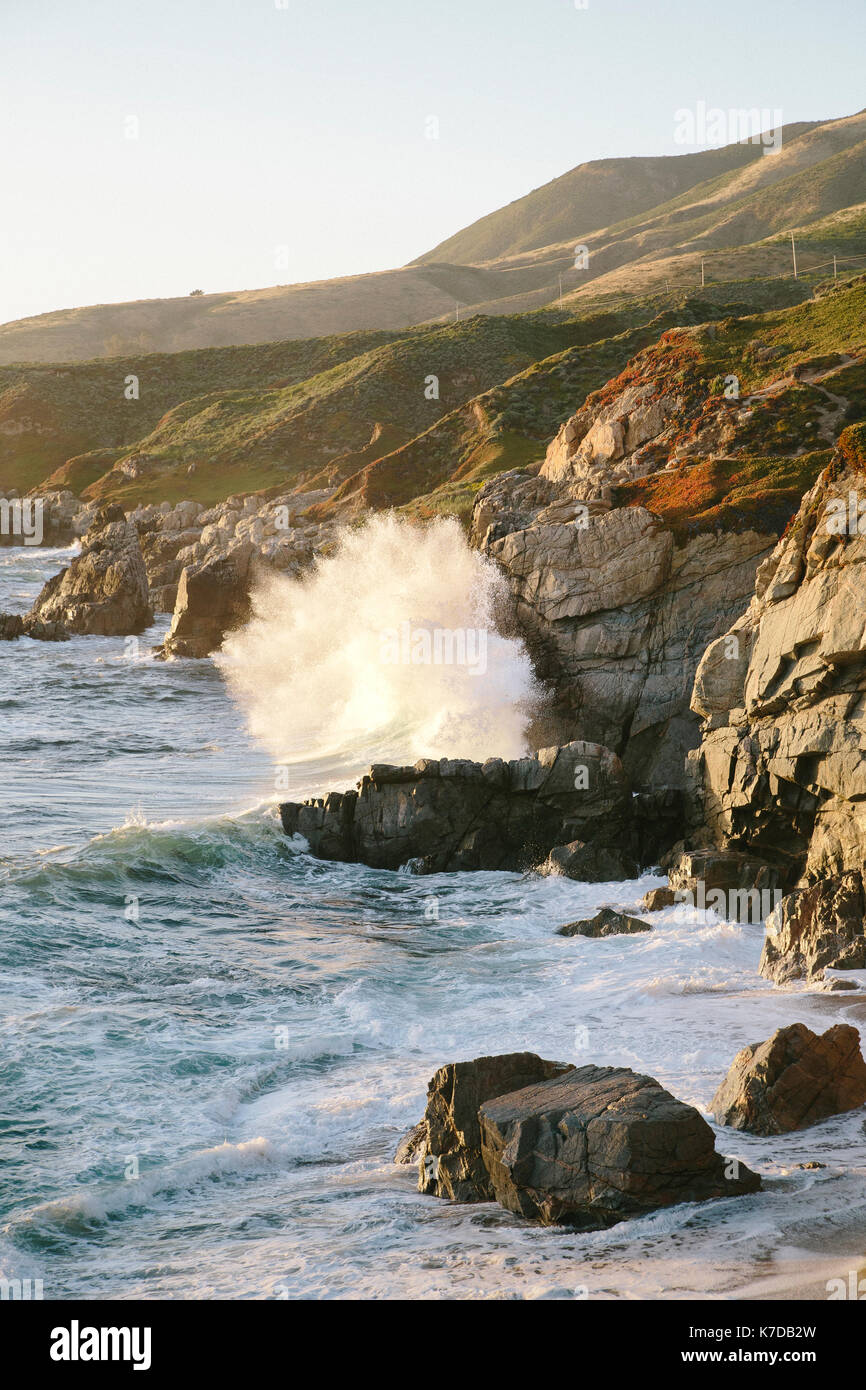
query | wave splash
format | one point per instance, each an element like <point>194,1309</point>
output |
<point>388,650</point>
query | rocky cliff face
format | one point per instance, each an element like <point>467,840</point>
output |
<point>783,692</point>
<point>616,601</point>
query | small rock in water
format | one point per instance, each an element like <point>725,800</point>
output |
<point>607,922</point>
<point>451,1164</point>
<point>657,898</point>
<point>590,863</point>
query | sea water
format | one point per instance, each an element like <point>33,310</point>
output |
<point>213,1042</point>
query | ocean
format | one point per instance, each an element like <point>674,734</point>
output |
<point>213,1042</point>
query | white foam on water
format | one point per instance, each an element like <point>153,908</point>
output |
<point>320,670</point>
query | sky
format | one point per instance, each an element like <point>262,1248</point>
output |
<point>152,147</point>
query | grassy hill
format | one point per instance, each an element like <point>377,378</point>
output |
<point>599,194</point>
<point>644,221</point>
<point>354,412</point>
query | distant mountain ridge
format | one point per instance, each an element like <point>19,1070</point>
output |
<point>646,222</point>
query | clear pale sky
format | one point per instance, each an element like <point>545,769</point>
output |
<point>304,127</point>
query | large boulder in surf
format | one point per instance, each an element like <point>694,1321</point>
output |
<point>450,1148</point>
<point>598,1145</point>
<point>792,1080</point>
<point>103,591</point>
<point>212,600</point>
<point>817,928</point>
<point>449,814</point>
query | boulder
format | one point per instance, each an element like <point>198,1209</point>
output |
<point>657,898</point>
<point>598,1145</point>
<point>792,1080</point>
<point>814,928</point>
<point>104,590</point>
<point>589,863</point>
<point>450,814</point>
<point>450,1155</point>
<point>739,887</point>
<point>607,922</point>
<point>213,599</point>
<point>11,626</point>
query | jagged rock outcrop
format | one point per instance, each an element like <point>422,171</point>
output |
<point>103,591</point>
<point>794,1079</point>
<point>213,599</point>
<point>598,1145</point>
<point>13,625</point>
<point>450,1150</point>
<point>190,535</point>
<point>440,816</point>
<point>61,518</point>
<point>618,608</point>
<point>780,769</point>
<point>817,928</point>
<point>606,922</point>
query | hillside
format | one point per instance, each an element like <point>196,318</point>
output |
<point>599,194</point>
<point>362,428</point>
<point>643,221</point>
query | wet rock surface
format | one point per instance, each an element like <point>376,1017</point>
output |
<point>815,928</point>
<point>440,816</point>
<point>104,590</point>
<point>607,922</point>
<point>794,1079</point>
<point>599,1145</point>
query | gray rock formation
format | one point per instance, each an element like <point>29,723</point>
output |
<point>816,928</point>
<point>454,814</point>
<point>213,599</point>
<point>607,922</point>
<point>104,589</point>
<point>617,610</point>
<point>450,1151</point>
<point>598,1145</point>
<point>792,1080</point>
<point>781,769</point>
<point>589,863</point>
<point>190,535</point>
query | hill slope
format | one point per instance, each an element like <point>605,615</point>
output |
<point>627,211</point>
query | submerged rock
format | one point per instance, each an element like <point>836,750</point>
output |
<point>792,1080</point>
<point>601,1144</point>
<point>451,1164</point>
<point>103,591</point>
<point>607,922</point>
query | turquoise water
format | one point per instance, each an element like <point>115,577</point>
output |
<point>212,1042</point>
